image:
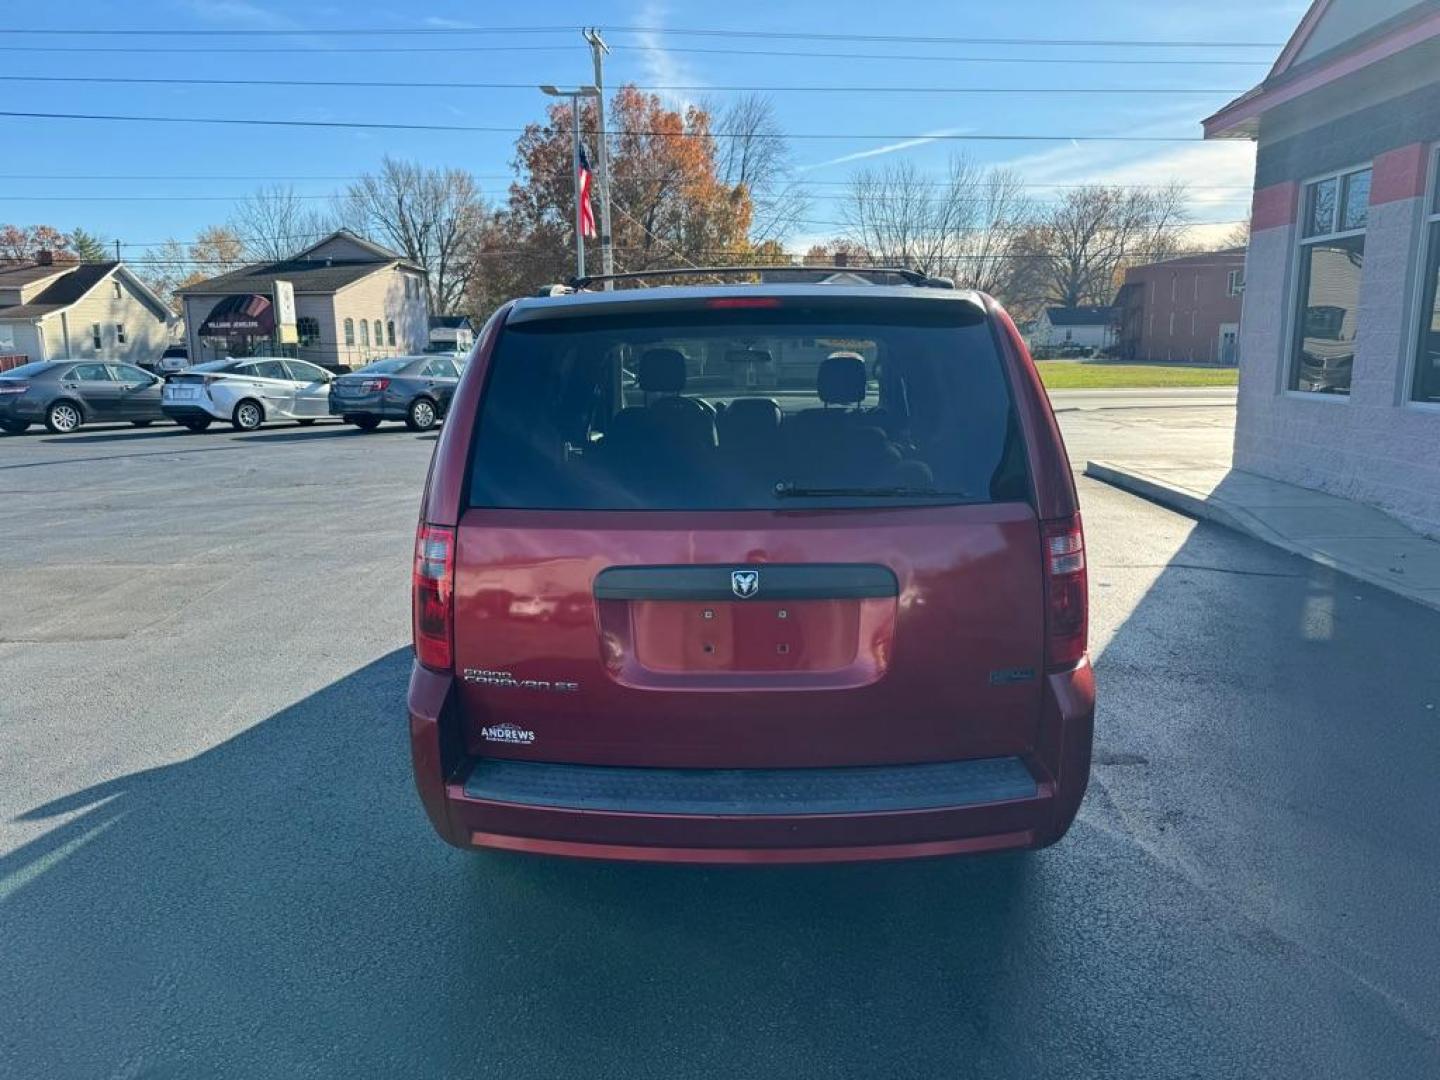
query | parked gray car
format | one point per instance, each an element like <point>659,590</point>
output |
<point>64,394</point>
<point>415,389</point>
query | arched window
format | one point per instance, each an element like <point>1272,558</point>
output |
<point>379,339</point>
<point>390,332</point>
<point>364,332</point>
<point>349,331</point>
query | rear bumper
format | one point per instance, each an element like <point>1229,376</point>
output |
<point>20,407</point>
<point>191,411</point>
<point>649,815</point>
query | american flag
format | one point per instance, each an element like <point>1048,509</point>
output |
<point>587,215</point>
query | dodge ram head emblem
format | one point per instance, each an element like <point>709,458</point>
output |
<point>745,583</point>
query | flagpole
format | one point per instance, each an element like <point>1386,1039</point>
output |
<point>575,175</point>
<point>575,95</point>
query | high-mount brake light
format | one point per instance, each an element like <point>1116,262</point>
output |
<point>433,597</point>
<point>1067,601</point>
<point>743,302</point>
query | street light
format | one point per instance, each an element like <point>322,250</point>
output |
<point>575,93</point>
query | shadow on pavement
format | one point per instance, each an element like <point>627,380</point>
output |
<point>278,905</point>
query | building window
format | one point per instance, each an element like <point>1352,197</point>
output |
<point>379,338</point>
<point>349,331</point>
<point>116,284</point>
<point>1235,283</point>
<point>307,331</point>
<point>364,332</point>
<point>1332,262</point>
<point>1426,386</point>
<point>119,333</point>
<point>95,336</point>
<point>390,332</point>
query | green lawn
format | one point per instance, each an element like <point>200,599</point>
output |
<point>1106,374</point>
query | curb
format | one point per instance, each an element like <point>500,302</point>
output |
<point>1209,508</point>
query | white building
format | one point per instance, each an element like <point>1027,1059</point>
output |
<point>1340,332</point>
<point>355,302</point>
<point>53,310</point>
<point>1074,327</point>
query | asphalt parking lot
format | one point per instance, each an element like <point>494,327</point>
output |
<point>212,861</point>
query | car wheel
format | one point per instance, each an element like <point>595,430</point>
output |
<point>14,427</point>
<point>421,416</point>
<point>305,423</point>
<point>196,423</point>
<point>366,423</point>
<point>142,423</point>
<point>248,415</point>
<point>63,417</point>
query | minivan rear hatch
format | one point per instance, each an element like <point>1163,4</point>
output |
<point>793,532</point>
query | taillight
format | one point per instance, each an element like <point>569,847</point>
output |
<point>1066,601</point>
<point>369,386</point>
<point>434,596</point>
<point>9,386</point>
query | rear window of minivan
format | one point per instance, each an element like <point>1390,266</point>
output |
<point>868,403</point>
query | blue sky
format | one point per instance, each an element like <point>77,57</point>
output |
<point>191,158</point>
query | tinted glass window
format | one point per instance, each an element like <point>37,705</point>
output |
<point>306,372</point>
<point>391,366</point>
<point>1330,274</point>
<point>866,404</point>
<point>132,376</point>
<point>440,369</point>
<point>90,373</point>
<point>269,369</point>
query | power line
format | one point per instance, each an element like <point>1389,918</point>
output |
<point>479,128</point>
<point>670,31</point>
<point>510,176</point>
<point>312,50</point>
<point>409,84</point>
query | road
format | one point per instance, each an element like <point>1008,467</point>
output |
<point>212,863</point>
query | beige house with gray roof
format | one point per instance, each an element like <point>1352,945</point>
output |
<point>355,301</point>
<point>55,310</point>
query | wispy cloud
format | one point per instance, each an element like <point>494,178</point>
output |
<point>439,22</point>
<point>240,13</point>
<point>889,148</point>
<point>662,67</point>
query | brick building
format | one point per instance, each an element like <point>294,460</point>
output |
<point>1340,388</point>
<point>1187,308</point>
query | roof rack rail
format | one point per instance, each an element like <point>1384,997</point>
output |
<point>909,277</point>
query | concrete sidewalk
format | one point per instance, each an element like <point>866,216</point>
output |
<point>1350,537</point>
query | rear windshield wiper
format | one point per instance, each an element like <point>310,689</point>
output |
<point>792,491</point>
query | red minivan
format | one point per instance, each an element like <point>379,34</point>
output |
<point>752,573</point>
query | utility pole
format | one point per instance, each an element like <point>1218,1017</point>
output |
<point>117,250</point>
<point>598,50</point>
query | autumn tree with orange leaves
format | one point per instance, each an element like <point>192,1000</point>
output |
<point>669,206</point>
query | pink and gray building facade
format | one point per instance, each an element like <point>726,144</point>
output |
<point>1340,331</point>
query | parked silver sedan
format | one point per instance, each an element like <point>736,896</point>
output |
<point>248,393</point>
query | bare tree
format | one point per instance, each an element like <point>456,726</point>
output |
<point>753,154</point>
<point>1083,245</point>
<point>961,226</point>
<point>434,217</point>
<point>276,221</point>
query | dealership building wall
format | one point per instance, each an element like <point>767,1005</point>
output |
<point>1376,443</point>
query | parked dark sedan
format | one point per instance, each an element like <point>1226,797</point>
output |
<point>415,389</point>
<point>64,394</point>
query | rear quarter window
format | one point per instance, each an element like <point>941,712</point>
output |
<point>821,404</point>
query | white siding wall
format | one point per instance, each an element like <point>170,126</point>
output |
<point>146,333</point>
<point>27,341</point>
<point>382,296</point>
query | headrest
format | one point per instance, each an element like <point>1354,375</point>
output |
<point>662,371</point>
<point>841,380</point>
<point>752,417</point>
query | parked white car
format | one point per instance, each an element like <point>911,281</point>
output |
<point>248,393</point>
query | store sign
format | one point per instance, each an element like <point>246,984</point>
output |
<point>285,312</point>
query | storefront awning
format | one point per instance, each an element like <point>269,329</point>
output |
<point>246,315</point>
